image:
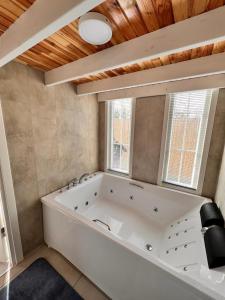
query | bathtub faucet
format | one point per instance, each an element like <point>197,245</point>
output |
<point>73,182</point>
<point>83,177</point>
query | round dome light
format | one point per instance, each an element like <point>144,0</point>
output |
<point>95,28</point>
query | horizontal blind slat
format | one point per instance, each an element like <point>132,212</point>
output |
<point>186,129</point>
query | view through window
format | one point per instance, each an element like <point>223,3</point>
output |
<point>120,112</point>
<point>186,131</point>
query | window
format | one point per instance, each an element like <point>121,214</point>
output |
<point>119,133</point>
<point>187,123</point>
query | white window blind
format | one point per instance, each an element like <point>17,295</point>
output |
<point>186,132</point>
<point>119,132</point>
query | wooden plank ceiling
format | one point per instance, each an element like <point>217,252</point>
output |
<point>129,19</point>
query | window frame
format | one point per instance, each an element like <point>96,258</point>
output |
<point>206,146</point>
<point>108,136</point>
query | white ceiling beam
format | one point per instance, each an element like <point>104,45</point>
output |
<point>41,20</point>
<point>206,82</point>
<point>191,33</point>
<point>204,66</point>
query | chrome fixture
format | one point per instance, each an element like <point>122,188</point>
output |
<point>97,220</point>
<point>3,232</point>
<point>73,182</point>
<point>148,247</point>
<point>83,177</point>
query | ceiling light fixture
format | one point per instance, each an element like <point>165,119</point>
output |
<point>95,28</point>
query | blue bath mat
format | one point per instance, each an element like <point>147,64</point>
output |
<point>39,281</point>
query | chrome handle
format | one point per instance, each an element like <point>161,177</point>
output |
<point>3,232</point>
<point>97,220</point>
<point>75,181</point>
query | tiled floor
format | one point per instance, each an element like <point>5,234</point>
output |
<point>72,275</point>
<point>4,267</point>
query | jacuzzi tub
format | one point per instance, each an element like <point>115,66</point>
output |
<point>133,240</point>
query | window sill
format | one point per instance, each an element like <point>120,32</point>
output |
<point>117,173</point>
<point>180,188</point>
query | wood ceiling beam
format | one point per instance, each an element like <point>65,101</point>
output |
<point>198,31</point>
<point>200,83</point>
<point>204,66</point>
<point>41,20</point>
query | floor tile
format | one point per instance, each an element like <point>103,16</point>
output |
<point>70,273</point>
<point>64,267</point>
<point>88,290</point>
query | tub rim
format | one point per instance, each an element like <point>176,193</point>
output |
<point>50,201</point>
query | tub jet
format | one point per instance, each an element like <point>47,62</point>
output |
<point>148,247</point>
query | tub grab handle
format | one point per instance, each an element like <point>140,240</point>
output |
<point>97,220</point>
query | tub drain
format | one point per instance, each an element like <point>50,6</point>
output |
<point>148,247</point>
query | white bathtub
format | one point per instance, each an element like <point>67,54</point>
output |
<point>132,218</point>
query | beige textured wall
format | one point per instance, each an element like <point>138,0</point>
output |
<point>220,192</point>
<point>216,149</point>
<point>52,137</point>
<point>149,114</point>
